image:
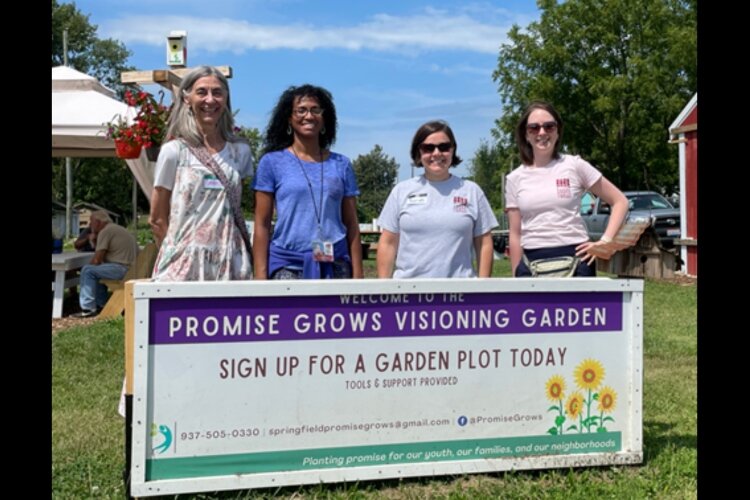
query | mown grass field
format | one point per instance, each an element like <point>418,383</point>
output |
<point>87,432</point>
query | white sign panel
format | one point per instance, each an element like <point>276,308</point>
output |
<point>267,384</point>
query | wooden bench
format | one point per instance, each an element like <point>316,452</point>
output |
<point>142,268</point>
<point>369,247</point>
<point>646,258</point>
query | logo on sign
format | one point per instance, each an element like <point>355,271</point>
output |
<point>166,437</point>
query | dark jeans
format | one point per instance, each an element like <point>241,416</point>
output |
<point>583,269</point>
<point>341,270</point>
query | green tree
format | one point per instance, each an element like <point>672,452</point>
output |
<point>104,181</point>
<point>255,139</point>
<point>487,169</point>
<point>107,182</point>
<point>376,174</point>
<point>104,59</point>
<point>619,72</point>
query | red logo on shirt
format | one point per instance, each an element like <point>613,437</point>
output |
<point>563,188</point>
<point>460,203</point>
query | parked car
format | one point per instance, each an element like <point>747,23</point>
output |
<point>500,233</point>
<point>665,218</point>
<point>500,241</point>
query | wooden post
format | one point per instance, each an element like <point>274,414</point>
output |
<point>129,344</point>
<point>167,78</point>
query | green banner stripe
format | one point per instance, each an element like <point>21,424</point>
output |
<point>387,454</point>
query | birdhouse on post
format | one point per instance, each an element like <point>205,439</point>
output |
<point>177,49</point>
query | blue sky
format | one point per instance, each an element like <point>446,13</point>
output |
<point>390,65</point>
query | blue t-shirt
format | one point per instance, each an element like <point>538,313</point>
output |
<point>281,173</point>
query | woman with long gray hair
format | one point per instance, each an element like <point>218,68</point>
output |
<point>195,204</point>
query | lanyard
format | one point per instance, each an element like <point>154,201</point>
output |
<point>318,213</point>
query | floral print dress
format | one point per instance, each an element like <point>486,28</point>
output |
<point>202,241</point>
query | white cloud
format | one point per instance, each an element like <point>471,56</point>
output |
<point>460,68</point>
<point>428,30</point>
<point>395,123</point>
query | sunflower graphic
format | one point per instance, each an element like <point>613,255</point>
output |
<point>607,399</point>
<point>555,392</point>
<point>589,374</point>
<point>579,406</point>
<point>574,405</point>
<point>555,388</point>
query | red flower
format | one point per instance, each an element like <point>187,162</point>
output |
<point>150,121</point>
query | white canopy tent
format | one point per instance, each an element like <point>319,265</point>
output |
<point>80,108</point>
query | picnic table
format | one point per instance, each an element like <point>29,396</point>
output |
<point>367,245</point>
<point>61,263</point>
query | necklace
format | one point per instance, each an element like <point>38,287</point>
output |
<point>318,213</point>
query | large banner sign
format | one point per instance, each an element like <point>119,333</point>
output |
<point>242,385</point>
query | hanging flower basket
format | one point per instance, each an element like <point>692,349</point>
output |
<point>146,130</point>
<point>152,153</point>
<point>127,150</point>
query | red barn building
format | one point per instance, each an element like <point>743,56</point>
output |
<point>684,132</point>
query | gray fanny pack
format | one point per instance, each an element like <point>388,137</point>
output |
<point>553,267</point>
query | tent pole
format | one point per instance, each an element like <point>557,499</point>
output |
<point>135,208</point>
<point>68,198</point>
<point>68,168</point>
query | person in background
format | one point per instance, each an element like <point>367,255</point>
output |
<point>313,190</point>
<point>116,250</point>
<point>195,212</point>
<point>86,241</point>
<point>543,196</point>
<point>430,223</point>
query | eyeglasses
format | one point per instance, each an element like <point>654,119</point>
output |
<point>534,128</point>
<point>301,112</point>
<point>443,147</point>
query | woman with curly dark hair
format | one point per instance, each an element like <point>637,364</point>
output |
<point>313,189</point>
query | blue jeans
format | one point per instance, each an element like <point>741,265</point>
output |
<point>93,294</point>
<point>341,270</point>
<point>583,268</point>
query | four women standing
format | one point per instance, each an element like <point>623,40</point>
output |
<point>430,224</point>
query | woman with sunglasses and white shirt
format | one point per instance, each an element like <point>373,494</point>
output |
<point>431,222</point>
<point>543,196</point>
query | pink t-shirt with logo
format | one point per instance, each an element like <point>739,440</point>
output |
<point>549,200</point>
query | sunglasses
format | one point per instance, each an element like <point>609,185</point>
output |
<point>443,147</point>
<point>302,112</point>
<point>534,128</point>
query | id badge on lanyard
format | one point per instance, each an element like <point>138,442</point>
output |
<point>322,251</point>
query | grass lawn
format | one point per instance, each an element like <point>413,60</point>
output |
<point>87,432</point>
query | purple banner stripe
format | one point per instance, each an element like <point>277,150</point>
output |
<point>247,319</point>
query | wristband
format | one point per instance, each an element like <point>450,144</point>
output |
<point>605,239</point>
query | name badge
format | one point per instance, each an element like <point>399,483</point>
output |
<point>322,251</point>
<point>416,199</point>
<point>210,181</point>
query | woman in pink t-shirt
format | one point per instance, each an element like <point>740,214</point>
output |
<point>543,196</point>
